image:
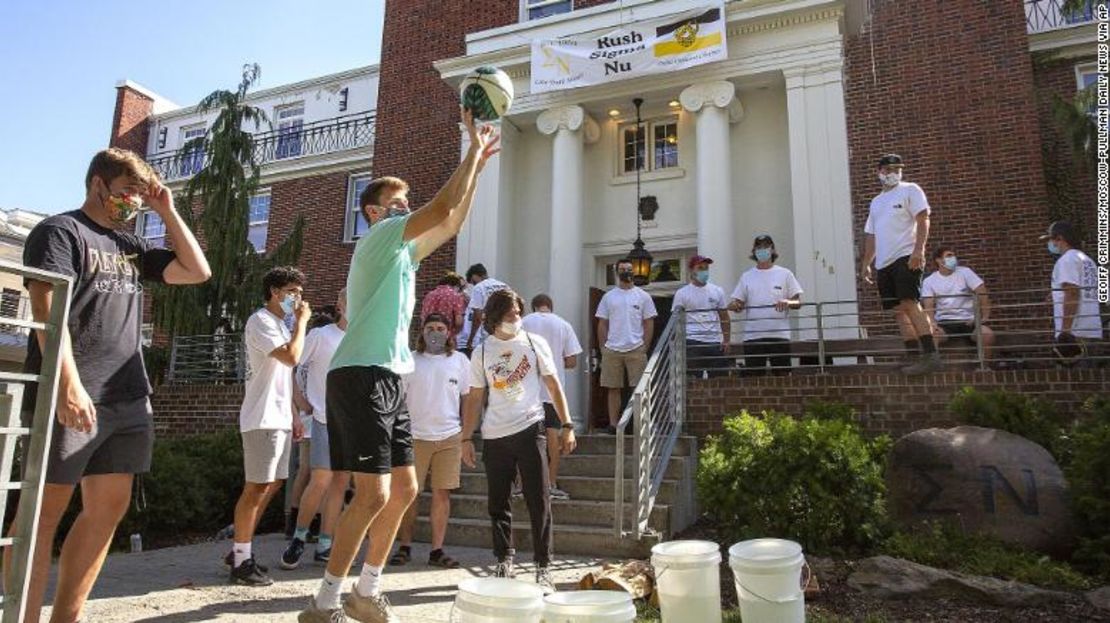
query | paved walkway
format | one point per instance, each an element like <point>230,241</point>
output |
<point>189,584</point>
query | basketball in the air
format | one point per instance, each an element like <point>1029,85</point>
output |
<point>487,92</point>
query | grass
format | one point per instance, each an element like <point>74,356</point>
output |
<point>946,547</point>
<point>648,614</point>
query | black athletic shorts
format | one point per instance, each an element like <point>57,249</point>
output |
<point>551,416</point>
<point>898,283</point>
<point>956,328</point>
<point>369,429</point>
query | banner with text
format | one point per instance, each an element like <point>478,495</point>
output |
<point>654,46</point>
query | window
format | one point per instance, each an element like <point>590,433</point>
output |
<point>355,223</point>
<point>290,120</point>
<point>258,221</point>
<point>9,308</point>
<point>666,270</point>
<point>152,229</point>
<point>1086,75</point>
<point>192,160</point>
<point>536,9</point>
<point>664,145</point>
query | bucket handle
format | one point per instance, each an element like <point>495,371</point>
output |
<point>807,573</point>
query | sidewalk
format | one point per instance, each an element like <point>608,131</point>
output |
<point>189,584</point>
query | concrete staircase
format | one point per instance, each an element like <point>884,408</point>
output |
<point>583,524</point>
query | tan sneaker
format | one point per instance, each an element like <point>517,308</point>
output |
<point>312,614</point>
<point>369,609</point>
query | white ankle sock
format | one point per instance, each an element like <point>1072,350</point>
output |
<point>241,552</point>
<point>369,581</point>
<point>328,597</point>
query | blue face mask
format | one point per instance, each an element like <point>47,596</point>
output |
<point>763,255</point>
<point>1052,248</point>
<point>288,303</point>
<point>702,276</point>
<point>950,262</point>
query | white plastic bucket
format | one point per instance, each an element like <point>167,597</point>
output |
<point>589,607</point>
<point>768,580</point>
<point>688,578</point>
<point>497,600</point>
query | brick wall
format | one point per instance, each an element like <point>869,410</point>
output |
<point>952,92</point>
<point>886,403</point>
<point>1070,182</point>
<point>182,410</point>
<point>129,122</point>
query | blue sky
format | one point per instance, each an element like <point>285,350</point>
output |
<point>62,59</point>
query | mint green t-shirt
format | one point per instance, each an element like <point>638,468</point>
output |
<point>381,295</point>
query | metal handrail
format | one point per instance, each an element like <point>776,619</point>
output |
<point>218,358</point>
<point>657,410</point>
<point>1045,15</point>
<point>320,137</point>
<point>24,530</point>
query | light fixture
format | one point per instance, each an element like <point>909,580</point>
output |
<point>674,104</point>
<point>614,113</point>
<point>639,256</point>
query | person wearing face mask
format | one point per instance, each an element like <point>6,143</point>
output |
<point>267,418</point>
<point>433,393</point>
<point>765,294</point>
<point>895,236</point>
<point>625,327</point>
<point>708,327</point>
<point>324,485</point>
<point>510,367</point>
<point>1075,310</point>
<point>482,285</point>
<point>104,432</point>
<point>947,299</point>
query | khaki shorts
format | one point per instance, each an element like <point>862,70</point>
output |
<point>615,364</point>
<point>443,459</point>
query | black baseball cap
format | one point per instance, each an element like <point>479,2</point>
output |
<point>1062,229</point>
<point>891,160</point>
<point>761,238</point>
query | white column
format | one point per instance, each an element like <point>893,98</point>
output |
<point>715,105</point>
<point>825,257</point>
<point>483,235</point>
<point>571,128</point>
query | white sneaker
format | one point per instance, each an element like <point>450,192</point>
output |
<point>558,494</point>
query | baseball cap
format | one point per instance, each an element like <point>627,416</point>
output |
<point>891,160</point>
<point>698,259</point>
<point>761,238</point>
<point>1062,229</point>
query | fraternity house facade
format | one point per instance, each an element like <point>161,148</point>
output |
<point>778,135</point>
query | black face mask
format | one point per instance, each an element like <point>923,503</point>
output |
<point>625,275</point>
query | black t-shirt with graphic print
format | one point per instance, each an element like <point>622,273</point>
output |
<point>106,308</point>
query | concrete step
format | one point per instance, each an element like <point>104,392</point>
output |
<point>565,513</point>
<point>607,444</point>
<point>598,488</point>
<point>600,465</point>
<point>582,540</point>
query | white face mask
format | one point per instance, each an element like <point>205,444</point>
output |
<point>511,328</point>
<point>890,179</point>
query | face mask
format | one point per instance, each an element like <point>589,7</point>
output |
<point>122,208</point>
<point>435,341</point>
<point>1052,248</point>
<point>950,262</point>
<point>702,276</point>
<point>288,303</point>
<point>763,255</point>
<point>511,328</point>
<point>625,275</point>
<point>890,179</point>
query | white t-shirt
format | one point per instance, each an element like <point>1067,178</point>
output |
<point>268,395</point>
<point>701,326</point>
<point>509,368</point>
<point>1075,268</point>
<point>432,392</point>
<point>626,311</point>
<point>952,294</point>
<point>892,221</point>
<point>559,336</point>
<point>479,295</point>
<point>759,289</point>
<point>319,346</point>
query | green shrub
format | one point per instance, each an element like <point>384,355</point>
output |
<point>818,482</point>
<point>1020,414</point>
<point>942,544</point>
<point>1088,474</point>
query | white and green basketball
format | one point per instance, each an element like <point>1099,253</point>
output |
<point>487,92</point>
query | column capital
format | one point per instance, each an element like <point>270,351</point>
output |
<point>570,117</point>
<point>719,93</point>
<point>813,75</point>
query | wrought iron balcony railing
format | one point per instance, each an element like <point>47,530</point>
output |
<point>1046,15</point>
<point>321,137</point>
